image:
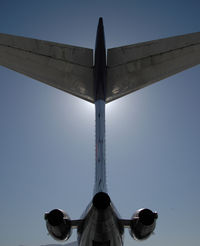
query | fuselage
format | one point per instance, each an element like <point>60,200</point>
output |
<point>101,224</point>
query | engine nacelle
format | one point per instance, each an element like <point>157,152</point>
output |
<point>58,224</point>
<point>143,223</point>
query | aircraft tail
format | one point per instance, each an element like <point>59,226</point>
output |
<point>70,68</point>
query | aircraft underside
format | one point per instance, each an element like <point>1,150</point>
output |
<point>101,225</point>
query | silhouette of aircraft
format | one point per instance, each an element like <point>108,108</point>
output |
<point>109,76</point>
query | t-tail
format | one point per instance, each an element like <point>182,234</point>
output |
<point>101,224</point>
<point>113,73</point>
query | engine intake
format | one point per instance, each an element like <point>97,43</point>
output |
<point>58,224</point>
<point>143,223</point>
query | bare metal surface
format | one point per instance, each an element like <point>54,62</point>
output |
<point>133,67</point>
<point>65,67</point>
<point>101,226</point>
<point>100,166</point>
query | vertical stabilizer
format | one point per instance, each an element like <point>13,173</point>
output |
<point>100,166</point>
<point>100,94</point>
<point>100,63</point>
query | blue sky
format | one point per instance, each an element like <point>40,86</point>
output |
<point>47,136</point>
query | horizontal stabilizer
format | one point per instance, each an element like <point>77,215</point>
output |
<point>133,67</point>
<point>65,67</point>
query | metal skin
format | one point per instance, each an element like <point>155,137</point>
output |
<point>99,91</point>
<point>101,224</point>
<point>100,166</point>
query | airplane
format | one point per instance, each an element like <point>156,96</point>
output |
<point>107,76</point>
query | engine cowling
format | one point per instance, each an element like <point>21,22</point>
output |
<point>58,224</point>
<point>143,223</point>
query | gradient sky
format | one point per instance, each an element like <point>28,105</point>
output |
<point>47,136</point>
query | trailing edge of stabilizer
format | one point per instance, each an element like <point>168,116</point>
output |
<point>132,67</point>
<point>71,69</point>
<point>65,67</point>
